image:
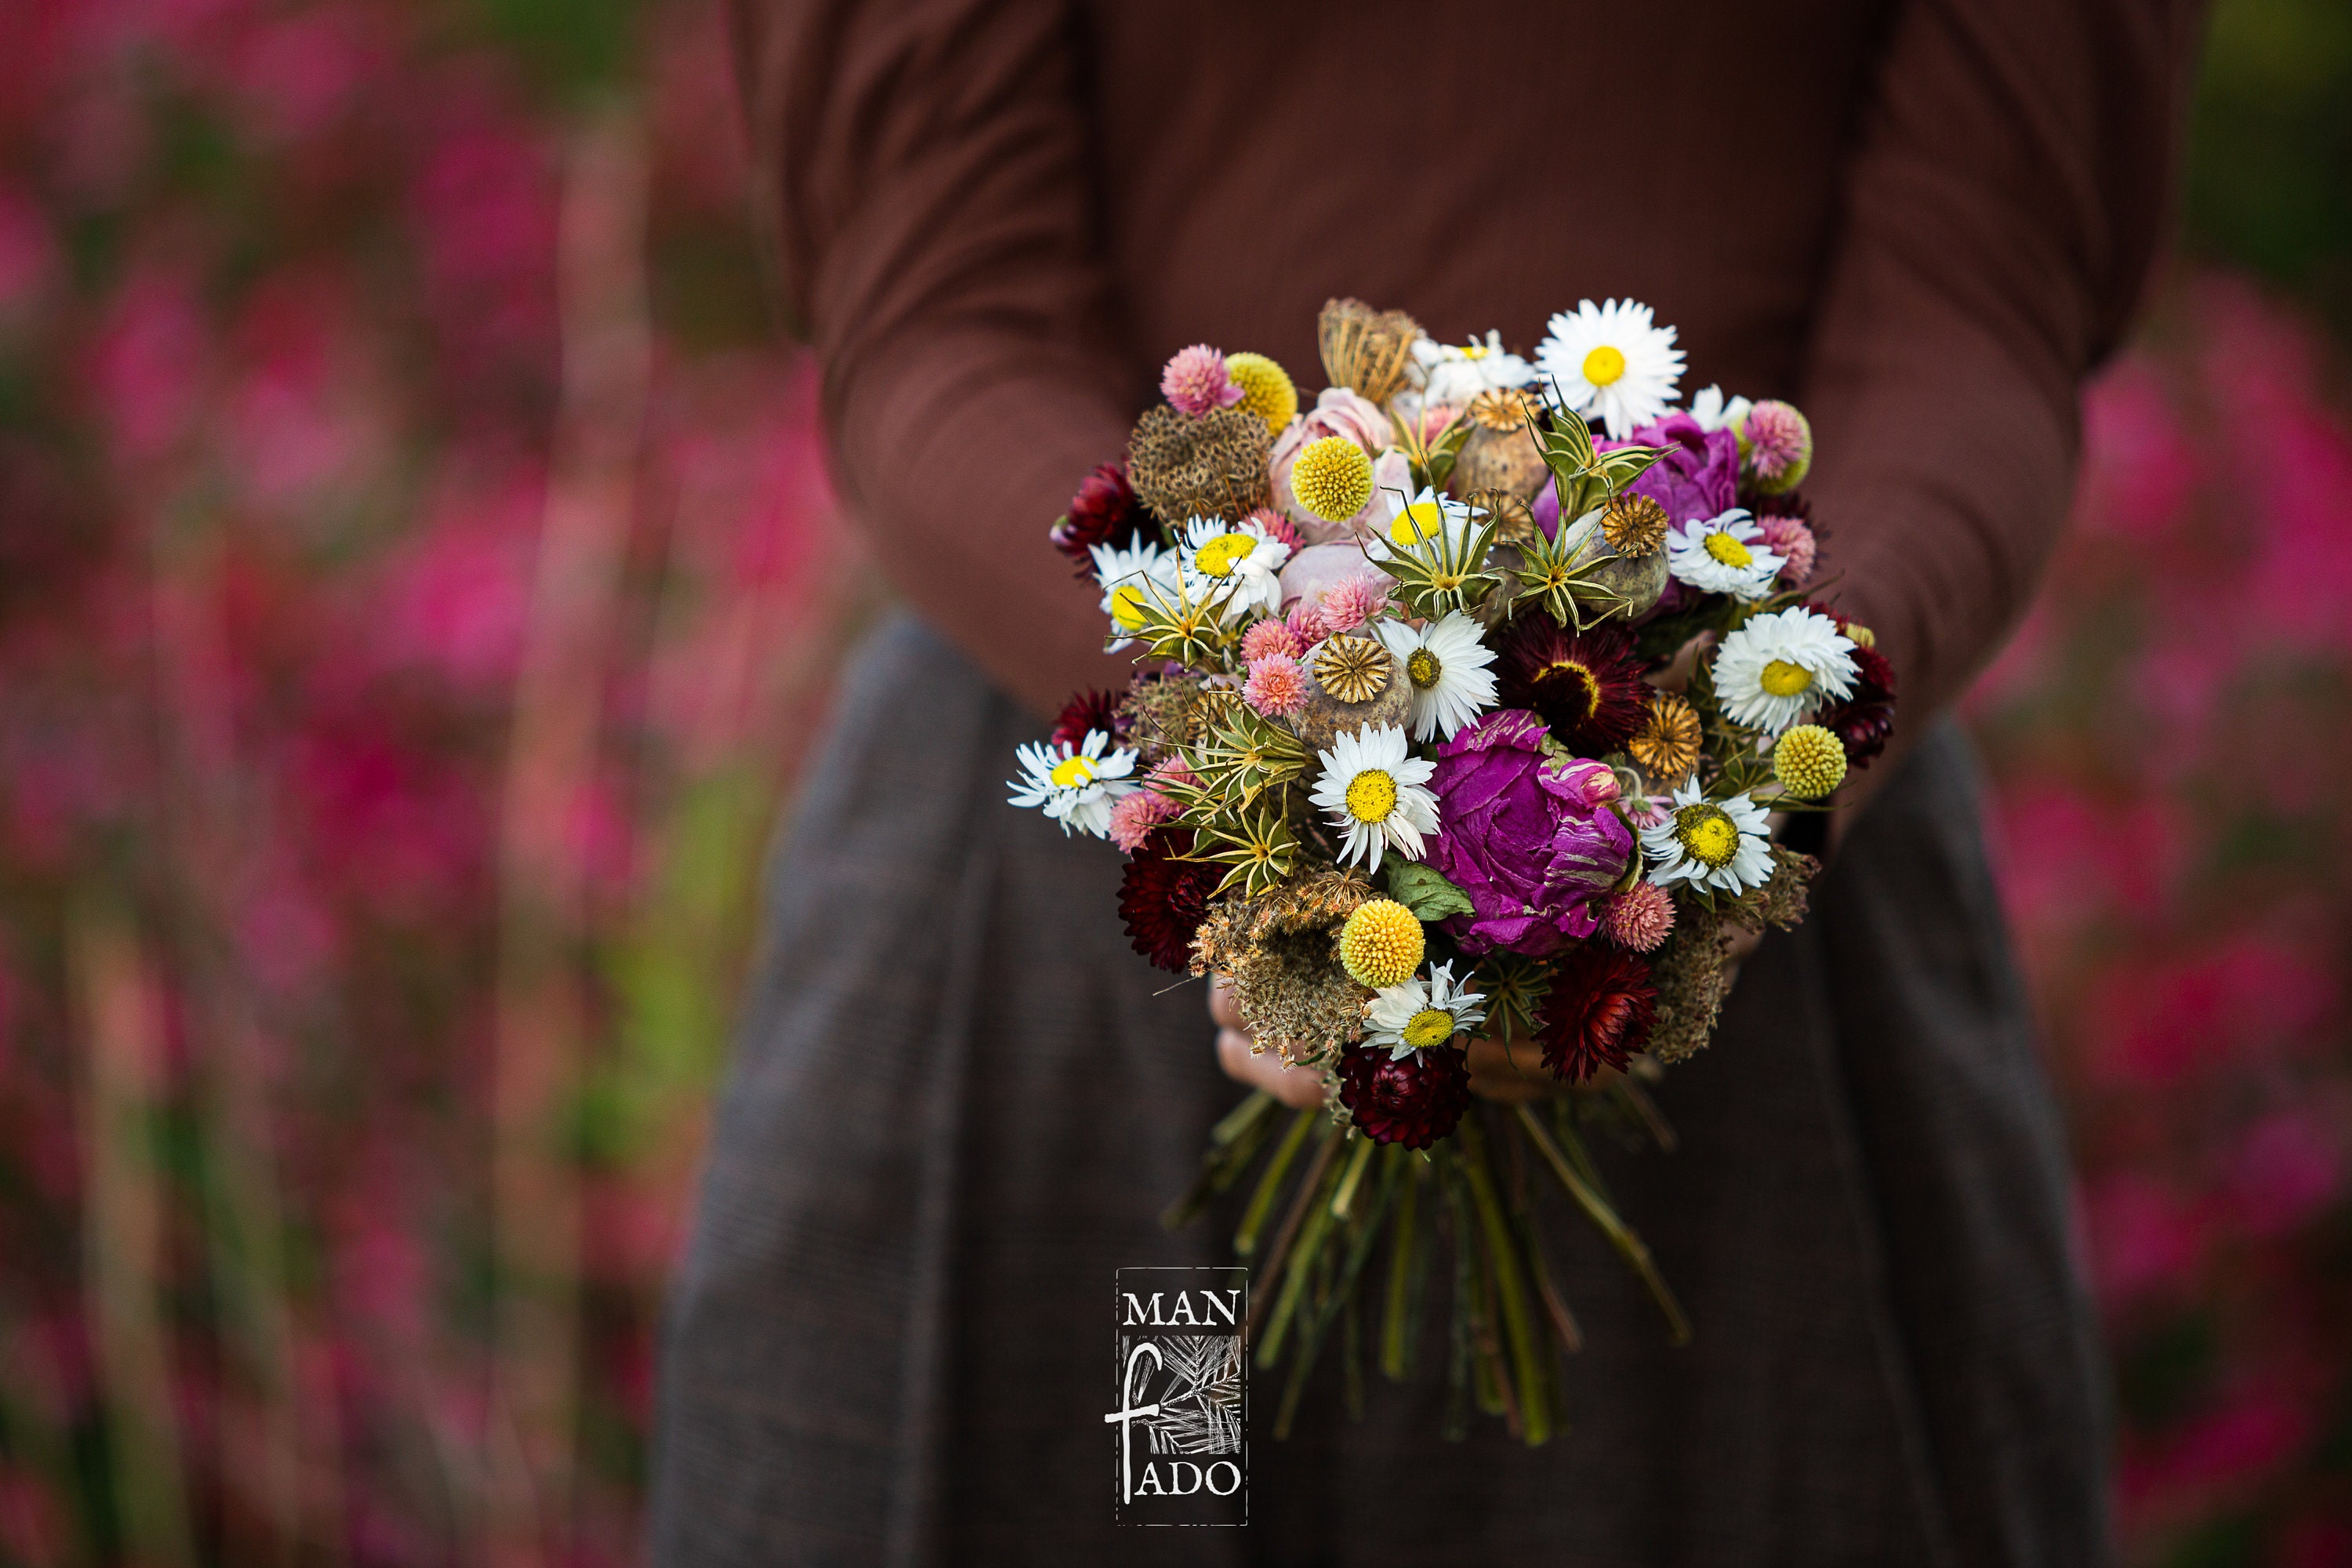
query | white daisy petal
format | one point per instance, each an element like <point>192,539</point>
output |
<point>1723,555</point>
<point>1423,1014</point>
<point>1373,789</point>
<point>1611,363</point>
<point>1129,578</point>
<point>1779,667</point>
<point>1075,785</point>
<point>1448,664</point>
<point>1720,845</point>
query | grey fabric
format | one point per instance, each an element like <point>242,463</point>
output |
<point>960,1103</point>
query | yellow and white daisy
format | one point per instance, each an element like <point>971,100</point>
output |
<point>1375,788</point>
<point>1236,557</point>
<point>1076,784</point>
<point>1423,1014</point>
<point>1446,662</point>
<point>1714,411</point>
<point>1449,373</point>
<point>1611,362</point>
<point>1779,667</point>
<point>1721,845</point>
<point>1129,578</point>
<point>1723,555</point>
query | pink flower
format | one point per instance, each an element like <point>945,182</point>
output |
<point>1276,686</point>
<point>1780,441</point>
<point>1269,637</point>
<point>1196,381</point>
<point>1639,918</point>
<point>1307,623</point>
<point>1353,601</point>
<point>1134,816</point>
<point>1791,539</point>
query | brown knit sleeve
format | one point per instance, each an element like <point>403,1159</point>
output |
<point>2011,185</point>
<point>922,163</point>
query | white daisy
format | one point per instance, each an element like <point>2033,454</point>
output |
<point>1447,373</point>
<point>1239,556</point>
<point>1722,556</point>
<point>1375,788</point>
<point>1716,412</point>
<point>1710,844</point>
<point>1612,361</point>
<point>1128,575</point>
<point>1074,784</point>
<point>1422,1015</point>
<point>1779,667</point>
<point>1447,664</point>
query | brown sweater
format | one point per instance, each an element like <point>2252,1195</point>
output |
<point>1922,221</point>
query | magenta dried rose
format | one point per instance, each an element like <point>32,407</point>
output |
<point>1533,843</point>
<point>1699,475</point>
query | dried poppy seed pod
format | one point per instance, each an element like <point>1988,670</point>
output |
<point>1364,350</point>
<point>1500,453</point>
<point>1214,465</point>
<point>1383,693</point>
<point>1633,524</point>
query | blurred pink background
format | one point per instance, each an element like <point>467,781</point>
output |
<point>418,584</point>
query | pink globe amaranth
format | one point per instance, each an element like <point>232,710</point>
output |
<point>1534,844</point>
<point>1196,381</point>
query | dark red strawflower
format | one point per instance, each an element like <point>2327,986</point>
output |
<point>1104,512</point>
<point>1163,899</point>
<point>1867,718</point>
<point>1599,1012</point>
<point>1414,1101</point>
<point>1089,709</point>
<point>1586,686</point>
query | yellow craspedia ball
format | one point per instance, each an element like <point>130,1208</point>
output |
<point>1380,945</point>
<point>1266,389</point>
<point>1809,762</point>
<point>1332,478</point>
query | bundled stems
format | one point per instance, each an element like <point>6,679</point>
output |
<point>1630,1247</point>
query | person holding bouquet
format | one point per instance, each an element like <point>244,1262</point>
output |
<point>961,1101</point>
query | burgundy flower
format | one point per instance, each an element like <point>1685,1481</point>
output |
<point>1586,686</point>
<point>1089,709</point>
<point>1414,1101</point>
<point>1534,844</point>
<point>1104,512</point>
<point>1599,1012</point>
<point>1867,718</point>
<point>1164,900</point>
<point>1699,475</point>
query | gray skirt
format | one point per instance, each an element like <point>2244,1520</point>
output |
<point>960,1103</point>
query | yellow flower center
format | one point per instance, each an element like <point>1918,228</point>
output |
<point>1126,607</point>
<point>1222,554</point>
<point>1782,678</point>
<point>1729,551</point>
<point>1073,771</point>
<point>1416,522</point>
<point>1604,365</point>
<point>1707,834</point>
<point>1423,668</point>
<point>1371,796</point>
<point>1430,1026</point>
<point>1475,351</point>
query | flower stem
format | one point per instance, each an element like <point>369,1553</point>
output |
<point>1518,1321</point>
<point>1261,1201</point>
<point>1629,1246</point>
